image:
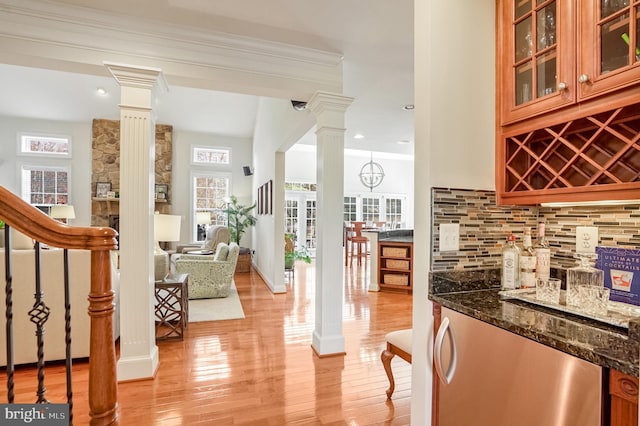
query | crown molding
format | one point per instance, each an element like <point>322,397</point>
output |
<point>84,38</point>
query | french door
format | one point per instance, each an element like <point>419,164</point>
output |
<point>300,219</point>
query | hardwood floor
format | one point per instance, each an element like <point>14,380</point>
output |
<point>261,370</point>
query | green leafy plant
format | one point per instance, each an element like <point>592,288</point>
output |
<point>1,224</point>
<point>291,254</point>
<point>240,218</point>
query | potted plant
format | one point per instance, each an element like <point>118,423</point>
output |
<point>291,254</point>
<point>239,218</point>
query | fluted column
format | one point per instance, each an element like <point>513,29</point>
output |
<point>138,88</point>
<point>329,109</point>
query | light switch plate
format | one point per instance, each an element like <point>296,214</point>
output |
<point>449,237</point>
<point>586,239</point>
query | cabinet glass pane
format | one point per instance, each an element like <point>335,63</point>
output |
<point>524,79</point>
<point>522,8</point>
<point>523,39</point>
<point>614,50</point>
<point>546,74</point>
<point>609,7</point>
<point>546,26</point>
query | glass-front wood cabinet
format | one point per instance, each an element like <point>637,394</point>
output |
<point>536,56</point>
<point>608,45</point>
<point>553,53</point>
<point>568,96</point>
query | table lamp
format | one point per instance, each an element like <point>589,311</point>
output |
<point>202,220</point>
<point>166,227</point>
<point>63,211</point>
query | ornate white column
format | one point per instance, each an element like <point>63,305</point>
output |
<point>138,88</point>
<point>329,109</point>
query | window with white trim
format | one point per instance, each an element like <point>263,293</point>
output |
<point>350,209</point>
<point>204,155</point>
<point>55,146</point>
<point>210,194</point>
<point>393,211</point>
<point>370,209</point>
<point>44,186</point>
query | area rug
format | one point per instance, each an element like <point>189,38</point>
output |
<point>223,308</point>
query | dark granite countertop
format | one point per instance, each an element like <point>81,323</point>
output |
<point>475,293</point>
<point>396,236</point>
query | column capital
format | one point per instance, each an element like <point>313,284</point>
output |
<point>137,77</point>
<point>329,108</point>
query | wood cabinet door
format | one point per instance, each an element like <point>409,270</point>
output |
<point>535,57</point>
<point>608,46</point>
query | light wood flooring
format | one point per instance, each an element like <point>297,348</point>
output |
<point>261,370</point>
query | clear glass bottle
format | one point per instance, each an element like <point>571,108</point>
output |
<point>510,264</point>
<point>543,255</point>
<point>527,262</point>
<point>582,274</point>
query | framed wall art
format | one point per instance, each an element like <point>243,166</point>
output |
<point>102,189</point>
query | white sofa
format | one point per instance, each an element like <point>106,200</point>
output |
<point>52,276</point>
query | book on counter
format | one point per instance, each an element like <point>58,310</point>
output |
<point>621,268</point>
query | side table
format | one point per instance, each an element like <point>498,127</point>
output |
<point>172,306</point>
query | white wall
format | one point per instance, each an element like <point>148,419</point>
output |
<point>454,136</point>
<point>80,183</point>
<point>278,126</point>
<point>462,95</point>
<point>398,181</point>
<point>182,192</point>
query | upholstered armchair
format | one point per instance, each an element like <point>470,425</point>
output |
<point>216,234</point>
<point>210,276</point>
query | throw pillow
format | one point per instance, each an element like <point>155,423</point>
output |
<point>222,252</point>
<point>207,244</point>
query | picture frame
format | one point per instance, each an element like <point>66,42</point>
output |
<point>269,197</point>
<point>161,191</point>
<point>102,189</point>
<point>260,200</point>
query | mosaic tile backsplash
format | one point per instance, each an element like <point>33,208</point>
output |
<point>484,227</point>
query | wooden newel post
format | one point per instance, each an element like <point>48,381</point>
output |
<point>103,384</point>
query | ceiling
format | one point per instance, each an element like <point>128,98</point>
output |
<point>376,41</point>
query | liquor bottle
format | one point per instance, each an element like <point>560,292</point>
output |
<point>543,255</point>
<point>510,264</point>
<point>527,262</point>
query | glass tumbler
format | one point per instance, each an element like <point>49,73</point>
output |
<point>548,290</point>
<point>594,300</point>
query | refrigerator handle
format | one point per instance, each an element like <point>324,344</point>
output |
<point>445,328</point>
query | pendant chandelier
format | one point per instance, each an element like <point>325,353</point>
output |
<point>371,174</point>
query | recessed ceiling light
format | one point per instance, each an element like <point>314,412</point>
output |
<point>101,91</point>
<point>358,136</point>
<point>403,141</point>
<point>408,107</point>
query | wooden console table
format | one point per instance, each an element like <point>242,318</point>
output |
<point>172,306</point>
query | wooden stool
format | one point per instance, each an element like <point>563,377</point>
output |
<point>398,343</point>
<point>359,248</point>
<point>358,243</point>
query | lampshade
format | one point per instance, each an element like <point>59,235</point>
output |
<point>63,211</point>
<point>166,227</point>
<point>203,218</point>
